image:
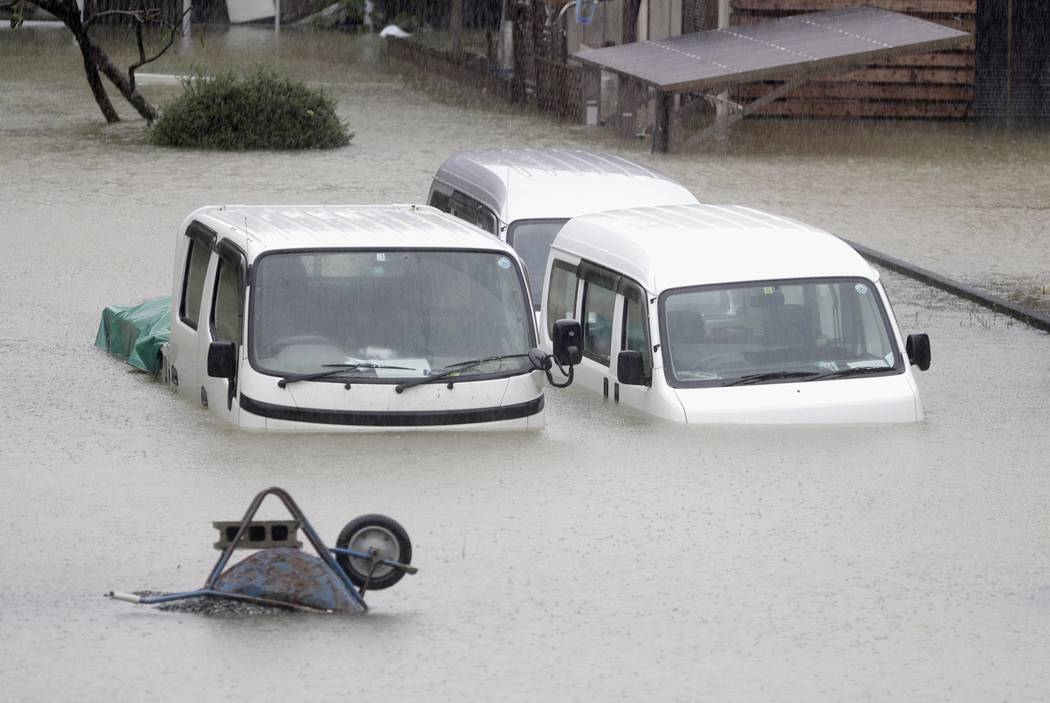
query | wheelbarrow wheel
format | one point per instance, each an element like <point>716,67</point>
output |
<point>387,537</point>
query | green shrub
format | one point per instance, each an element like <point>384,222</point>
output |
<point>259,110</point>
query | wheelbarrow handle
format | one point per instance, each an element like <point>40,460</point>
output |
<point>386,562</point>
<point>126,597</point>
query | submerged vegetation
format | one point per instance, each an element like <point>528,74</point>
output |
<point>260,110</point>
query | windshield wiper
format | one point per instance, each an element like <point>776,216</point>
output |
<point>855,371</point>
<point>772,375</point>
<point>458,367</point>
<point>807,376</point>
<point>340,368</point>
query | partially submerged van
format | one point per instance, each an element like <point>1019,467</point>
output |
<point>524,196</point>
<point>367,317</point>
<point>711,314</point>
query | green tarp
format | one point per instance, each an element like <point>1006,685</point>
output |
<point>135,333</point>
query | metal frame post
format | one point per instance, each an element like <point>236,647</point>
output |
<point>591,96</point>
<point>724,122</point>
<point>724,11</point>
<point>662,122</point>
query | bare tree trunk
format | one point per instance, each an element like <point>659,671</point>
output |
<point>117,78</point>
<point>97,89</point>
<point>96,60</point>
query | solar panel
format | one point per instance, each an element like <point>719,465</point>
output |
<point>797,44</point>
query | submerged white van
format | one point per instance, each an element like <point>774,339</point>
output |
<point>524,196</point>
<point>368,317</point>
<point>711,314</point>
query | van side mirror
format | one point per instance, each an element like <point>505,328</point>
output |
<point>539,361</point>
<point>567,336</point>
<point>918,348</point>
<point>222,360</point>
<point>629,369</point>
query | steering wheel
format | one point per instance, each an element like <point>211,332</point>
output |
<point>277,345</point>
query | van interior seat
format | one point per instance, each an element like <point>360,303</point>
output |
<point>370,316</point>
<point>280,298</point>
<point>685,327</point>
<point>790,326</point>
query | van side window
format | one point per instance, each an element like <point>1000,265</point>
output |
<point>440,201</point>
<point>486,220</point>
<point>470,210</point>
<point>636,329</point>
<point>532,240</point>
<point>598,302</point>
<point>227,312</point>
<point>193,283</point>
<point>561,296</point>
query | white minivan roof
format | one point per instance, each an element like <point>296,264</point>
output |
<point>519,184</point>
<point>689,245</point>
<point>259,228</point>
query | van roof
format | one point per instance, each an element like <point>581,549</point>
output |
<point>689,245</point>
<point>260,228</point>
<point>521,184</point>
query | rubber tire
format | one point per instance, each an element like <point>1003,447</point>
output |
<point>374,520</point>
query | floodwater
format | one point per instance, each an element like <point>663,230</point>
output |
<point>607,557</point>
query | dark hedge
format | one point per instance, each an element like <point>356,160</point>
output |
<point>260,110</point>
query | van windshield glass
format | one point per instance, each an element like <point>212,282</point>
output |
<point>387,315</point>
<point>532,240</point>
<point>776,332</point>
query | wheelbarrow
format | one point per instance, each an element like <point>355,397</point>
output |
<point>372,552</point>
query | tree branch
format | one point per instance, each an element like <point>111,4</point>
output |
<point>97,89</point>
<point>118,79</point>
<point>174,31</point>
<point>141,17</point>
<point>142,55</point>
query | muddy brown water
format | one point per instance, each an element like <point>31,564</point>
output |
<point>605,557</point>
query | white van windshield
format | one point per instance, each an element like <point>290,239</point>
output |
<point>776,331</point>
<point>388,315</point>
<point>532,240</point>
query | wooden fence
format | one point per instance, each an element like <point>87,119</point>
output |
<point>936,85</point>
